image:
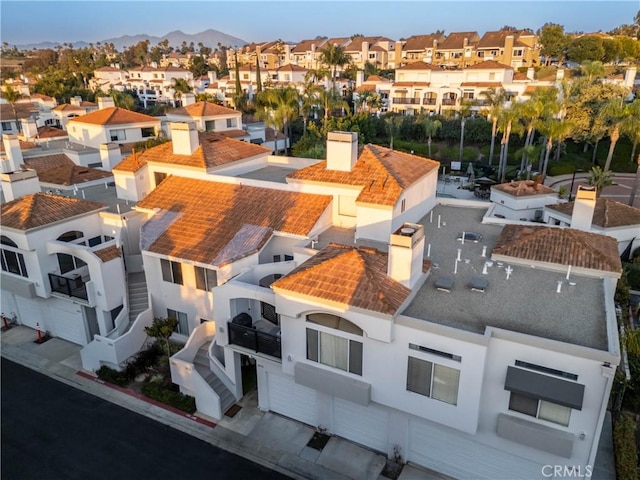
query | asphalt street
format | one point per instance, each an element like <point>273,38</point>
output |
<point>50,430</point>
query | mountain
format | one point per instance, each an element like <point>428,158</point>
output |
<point>209,38</point>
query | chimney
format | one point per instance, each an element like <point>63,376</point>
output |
<point>154,64</point>
<point>19,184</point>
<point>406,252</point>
<point>630,77</point>
<point>342,151</point>
<point>110,155</point>
<point>14,154</point>
<point>212,76</point>
<point>188,99</point>
<point>583,208</point>
<point>508,50</point>
<point>531,73</point>
<point>365,52</point>
<point>105,102</point>
<point>465,42</point>
<point>359,78</point>
<point>29,128</point>
<point>559,74</point>
<point>75,101</point>
<point>184,137</point>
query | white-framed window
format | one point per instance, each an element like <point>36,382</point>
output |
<point>171,271</point>
<point>12,262</point>
<point>117,135</point>
<point>183,321</point>
<point>541,409</point>
<point>343,351</point>
<point>232,122</point>
<point>518,52</point>
<point>206,278</point>
<point>6,126</point>
<point>468,94</point>
<point>433,380</point>
<point>68,263</point>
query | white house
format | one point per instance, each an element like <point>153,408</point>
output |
<point>523,200</point>
<point>209,117</point>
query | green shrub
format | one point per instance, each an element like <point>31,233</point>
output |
<point>148,358</point>
<point>113,376</point>
<point>633,276</point>
<point>159,392</point>
<point>560,169</point>
<point>625,448</point>
<point>417,148</point>
<point>469,154</point>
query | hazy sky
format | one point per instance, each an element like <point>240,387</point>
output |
<point>24,21</point>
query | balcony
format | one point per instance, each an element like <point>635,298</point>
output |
<point>72,287</point>
<point>406,101</point>
<point>429,101</point>
<point>259,342</point>
<point>448,101</point>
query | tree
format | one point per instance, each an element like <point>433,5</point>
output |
<point>592,69</point>
<point>368,100</point>
<point>553,42</point>
<point>614,114</point>
<point>431,128</point>
<point>553,130</point>
<point>495,100</point>
<point>330,100</point>
<point>636,183</point>
<point>198,66</point>
<point>124,100</point>
<point>507,124</point>
<point>464,111</point>
<point>12,96</point>
<point>587,47</point>
<point>258,81</point>
<point>334,56</point>
<point>162,329</point>
<point>280,106</point>
<point>392,125</point>
<point>599,178</point>
<point>180,86</point>
<point>612,49</point>
<point>631,126</point>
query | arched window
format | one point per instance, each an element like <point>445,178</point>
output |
<point>70,236</point>
<point>339,348</point>
<point>12,262</point>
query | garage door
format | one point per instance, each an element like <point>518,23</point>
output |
<point>292,400</point>
<point>457,455</point>
<point>364,425</point>
<point>30,311</point>
<point>65,321</point>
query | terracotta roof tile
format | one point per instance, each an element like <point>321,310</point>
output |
<point>489,65</point>
<point>114,116</point>
<point>420,42</point>
<point>607,213</point>
<point>209,216</point>
<point>23,110</point>
<point>66,107</point>
<point>305,45</point>
<point>202,109</point>
<point>455,40</point>
<point>383,174</point>
<point>292,68</point>
<point>215,150</point>
<point>532,88</point>
<point>495,39</point>
<point>40,209</point>
<point>51,132</point>
<point>481,84</point>
<point>560,246</point>
<point>233,133</point>
<point>377,78</point>
<point>350,276</point>
<point>524,188</point>
<point>419,66</point>
<point>355,45</point>
<point>108,253</point>
<point>58,169</point>
<point>411,84</point>
<point>520,76</point>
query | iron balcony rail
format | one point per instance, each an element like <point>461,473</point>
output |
<point>259,342</point>
<point>409,101</point>
<point>72,287</point>
<point>429,101</point>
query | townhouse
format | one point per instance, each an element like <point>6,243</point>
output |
<point>457,50</point>
<point>418,48</point>
<point>516,48</point>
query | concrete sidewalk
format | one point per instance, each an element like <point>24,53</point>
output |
<point>268,439</point>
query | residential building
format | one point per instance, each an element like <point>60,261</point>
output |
<point>418,48</point>
<point>210,117</point>
<point>516,48</point>
<point>522,200</point>
<point>457,50</point>
<point>373,50</point>
<point>306,53</point>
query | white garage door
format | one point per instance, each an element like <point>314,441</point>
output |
<point>292,400</point>
<point>30,311</point>
<point>456,455</point>
<point>364,425</point>
<point>65,321</point>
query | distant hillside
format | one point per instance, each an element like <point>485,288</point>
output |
<point>209,38</point>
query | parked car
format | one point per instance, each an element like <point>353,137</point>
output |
<point>470,237</point>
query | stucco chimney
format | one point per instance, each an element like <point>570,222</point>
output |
<point>110,155</point>
<point>342,151</point>
<point>105,102</point>
<point>29,128</point>
<point>630,77</point>
<point>359,78</point>
<point>14,154</point>
<point>406,252</point>
<point>184,137</point>
<point>188,99</point>
<point>212,76</point>
<point>19,184</point>
<point>583,208</point>
<point>75,100</point>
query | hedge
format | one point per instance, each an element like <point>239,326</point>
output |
<point>110,375</point>
<point>159,392</point>
<point>624,444</point>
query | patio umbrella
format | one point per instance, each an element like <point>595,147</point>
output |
<point>485,180</point>
<point>471,172</point>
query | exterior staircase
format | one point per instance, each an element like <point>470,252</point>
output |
<point>138,296</point>
<point>201,363</point>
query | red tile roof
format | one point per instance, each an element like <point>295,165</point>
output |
<point>524,188</point>
<point>40,209</point>
<point>348,276</point>
<point>489,65</point>
<point>560,246</point>
<point>214,150</point>
<point>114,116</point>
<point>607,213</point>
<point>58,169</point>
<point>383,174</point>
<point>455,40</point>
<point>108,253</point>
<point>420,42</point>
<point>51,132</point>
<point>202,109</point>
<point>215,223</point>
<point>419,66</point>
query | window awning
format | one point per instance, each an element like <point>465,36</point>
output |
<point>544,387</point>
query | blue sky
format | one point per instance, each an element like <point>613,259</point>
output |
<point>24,21</point>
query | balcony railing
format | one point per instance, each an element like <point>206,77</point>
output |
<point>72,287</point>
<point>259,342</point>
<point>406,101</point>
<point>429,101</point>
<point>448,101</point>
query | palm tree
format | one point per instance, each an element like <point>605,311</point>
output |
<point>12,96</point>
<point>393,124</point>
<point>525,153</point>
<point>553,130</point>
<point>592,69</point>
<point>599,178</point>
<point>309,101</point>
<point>465,111</point>
<point>180,86</point>
<point>636,184</point>
<point>281,105</point>
<point>368,100</point>
<point>431,128</point>
<point>614,113</point>
<point>495,101</point>
<point>507,124</point>
<point>630,126</point>
<point>334,56</point>
<point>330,100</point>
